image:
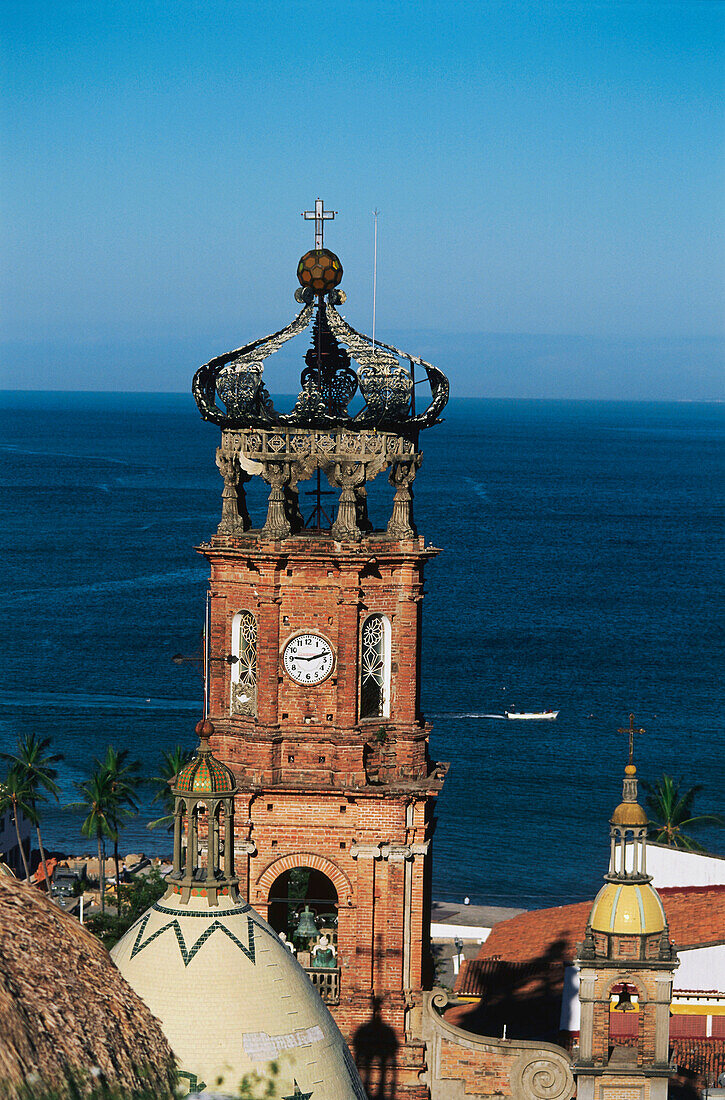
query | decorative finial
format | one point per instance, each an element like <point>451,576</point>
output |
<point>630,730</point>
<point>320,270</point>
<point>230,390</point>
<point>204,731</point>
<point>587,949</point>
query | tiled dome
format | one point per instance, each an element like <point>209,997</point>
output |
<point>233,1002</point>
<point>627,908</point>
<point>205,775</point>
<point>629,813</point>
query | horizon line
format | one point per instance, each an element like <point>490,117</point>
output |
<point>454,397</point>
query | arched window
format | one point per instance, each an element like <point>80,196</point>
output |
<point>375,668</point>
<point>303,908</point>
<point>624,1017</point>
<point>244,669</point>
<point>296,890</point>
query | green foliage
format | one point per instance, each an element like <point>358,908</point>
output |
<point>96,798</point>
<point>171,764</point>
<point>381,736</point>
<point>91,1086</point>
<point>16,797</point>
<point>86,1086</point>
<point>36,765</point>
<point>15,793</point>
<point>109,799</point>
<point>298,883</point>
<point>138,896</point>
<point>254,1087</point>
<point>672,811</point>
<point>123,777</point>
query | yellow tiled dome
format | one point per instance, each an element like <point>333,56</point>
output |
<point>629,813</point>
<point>627,908</point>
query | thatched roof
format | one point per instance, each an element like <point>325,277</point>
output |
<point>64,1007</point>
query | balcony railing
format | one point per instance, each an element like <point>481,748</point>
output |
<point>326,982</point>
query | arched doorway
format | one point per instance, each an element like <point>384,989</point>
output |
<point>303,905</point>
<point>624,1022</point>
<point>298,889</point>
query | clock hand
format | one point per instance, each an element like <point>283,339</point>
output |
<point>314,657</point>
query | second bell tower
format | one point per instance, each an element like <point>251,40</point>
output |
<point>314,643</point>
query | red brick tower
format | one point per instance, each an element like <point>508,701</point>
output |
<point>314,643</point>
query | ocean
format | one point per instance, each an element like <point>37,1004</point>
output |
<point>581,571</point>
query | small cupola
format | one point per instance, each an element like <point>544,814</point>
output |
<point>627,918</point>
<point>204,810</point>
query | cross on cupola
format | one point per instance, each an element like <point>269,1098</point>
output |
<point>320,216</point>
<point>630,730</point>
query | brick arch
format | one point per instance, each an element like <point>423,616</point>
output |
<point>637,981</point>
<point>306,859</point>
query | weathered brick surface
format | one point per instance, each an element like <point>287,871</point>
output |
<point>318,783</point>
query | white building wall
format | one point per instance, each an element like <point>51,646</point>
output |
<point>702,968</point>
<point>671,867</point>
<point>570,1007</point>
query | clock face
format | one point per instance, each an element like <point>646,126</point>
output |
<point>308,659</point>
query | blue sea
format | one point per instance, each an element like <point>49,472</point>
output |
<point>581,570</point>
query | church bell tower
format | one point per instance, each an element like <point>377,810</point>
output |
<point>626,966</point>
<point>314,641</point>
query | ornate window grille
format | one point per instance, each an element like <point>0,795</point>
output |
<point>375,668</point>
<point>244,670</point>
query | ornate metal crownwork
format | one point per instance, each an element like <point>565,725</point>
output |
<point>355,416</point>
<point>229,390</point>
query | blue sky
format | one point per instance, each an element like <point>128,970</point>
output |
<point>549,175</point>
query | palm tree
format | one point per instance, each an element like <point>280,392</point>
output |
<point>97,803</point>
<point>171,764</point>
<point>15,796</point>
<point>123,798</point>
<point>37,765</point>
<point>672,811</point>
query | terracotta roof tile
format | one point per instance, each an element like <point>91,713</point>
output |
<point>696,915</point>
<point>52,863</point>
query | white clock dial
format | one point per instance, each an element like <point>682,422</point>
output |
<point>308,659</point>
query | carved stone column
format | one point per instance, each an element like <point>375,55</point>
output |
<point>235,517</point>
<point>276,474</point>
<point>349,475</point>
<point>401,476</point>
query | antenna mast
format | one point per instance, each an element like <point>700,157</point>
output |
<point>375,269</point>
<point>206,658</point>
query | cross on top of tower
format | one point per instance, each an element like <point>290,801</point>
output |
<point>320,216</point>
<point>630,730</point>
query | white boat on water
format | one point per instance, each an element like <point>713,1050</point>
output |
<point>532,715</point>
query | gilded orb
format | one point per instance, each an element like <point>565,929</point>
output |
<point>320,270</point>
